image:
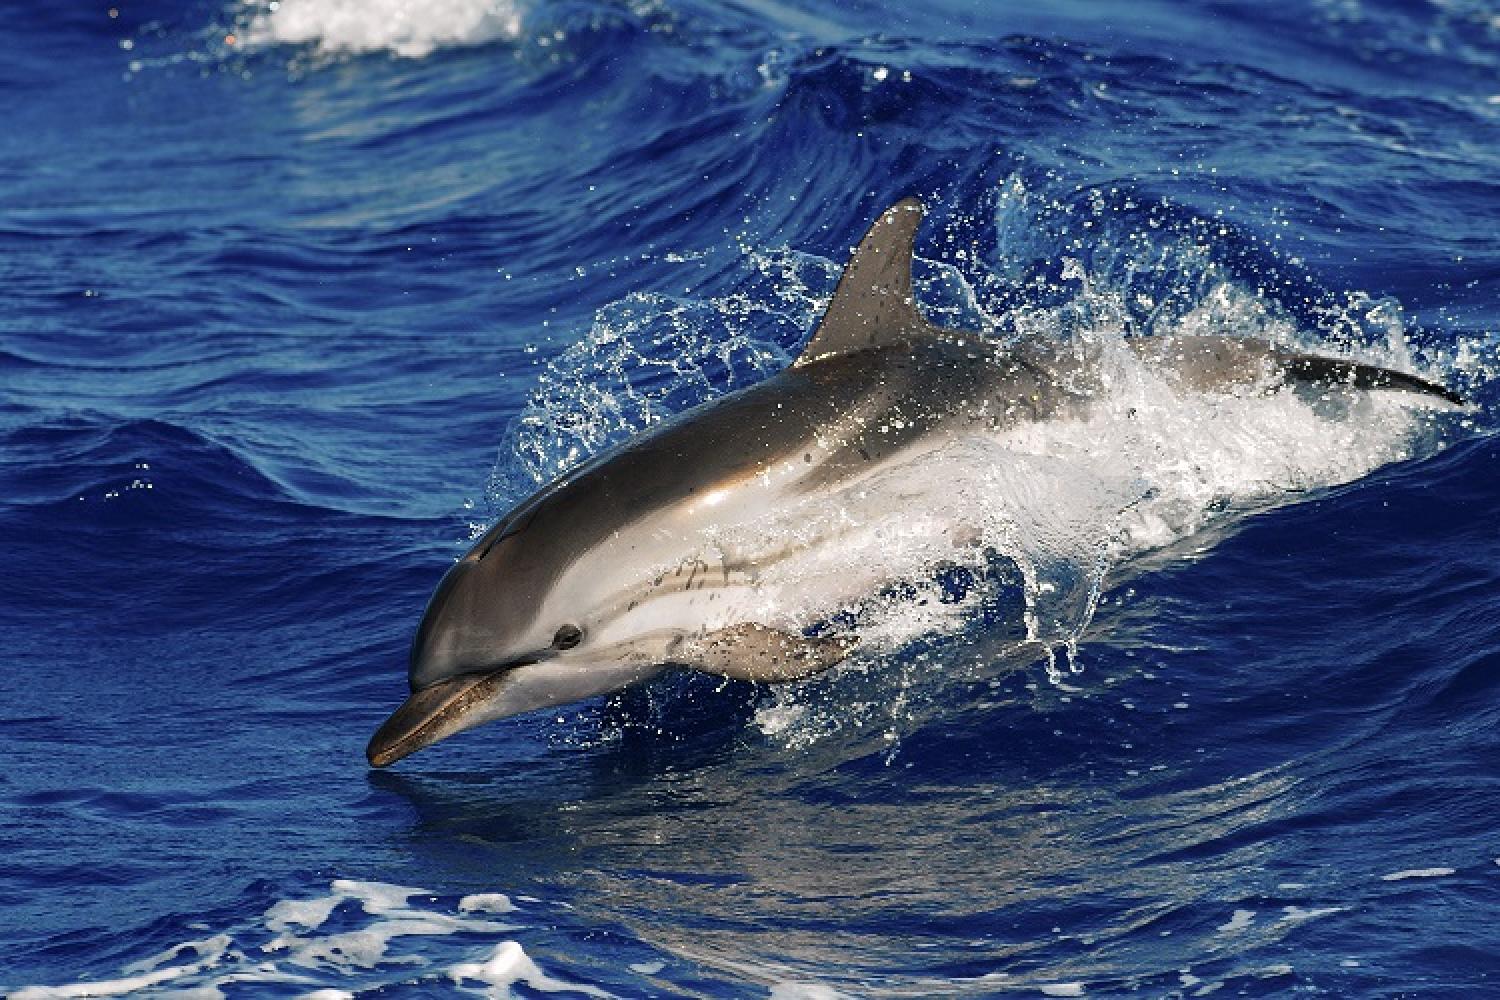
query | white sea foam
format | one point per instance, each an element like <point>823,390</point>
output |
<point>388,935</point>
<point>489,902</point>
<point>306,913</point>
<point>1301,914</point>
<point>509,964</point>
<point>377,898</point>
<point>1407,873</point>
<point>805,991</point>
<point>145,974</point>
<point>1237,922</point>
<point>410,28</point>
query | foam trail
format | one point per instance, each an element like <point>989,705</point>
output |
<point>410,28</point>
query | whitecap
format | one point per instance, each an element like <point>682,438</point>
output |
<point>410,28</point>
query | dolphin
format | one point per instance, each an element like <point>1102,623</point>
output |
<point>681,547</point>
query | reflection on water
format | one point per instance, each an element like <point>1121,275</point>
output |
<point>772,866</point>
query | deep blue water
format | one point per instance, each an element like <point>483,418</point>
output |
<point>285,322</point>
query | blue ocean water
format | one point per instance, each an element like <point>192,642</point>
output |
<point>298,296</point>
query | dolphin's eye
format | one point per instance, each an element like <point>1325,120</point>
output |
<point>567,637</point>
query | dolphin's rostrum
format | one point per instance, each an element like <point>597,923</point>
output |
<point>649,555</point>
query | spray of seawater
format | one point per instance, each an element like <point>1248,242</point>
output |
<point>1062,506</point>
<point>649,356</point>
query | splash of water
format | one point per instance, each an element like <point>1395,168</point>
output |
<point>1067,502</point>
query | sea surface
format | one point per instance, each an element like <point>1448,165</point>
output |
<point>296,298</point>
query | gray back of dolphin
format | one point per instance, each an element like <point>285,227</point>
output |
<point>604,576</point>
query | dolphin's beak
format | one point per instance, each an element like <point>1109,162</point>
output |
<point>524,685</point>
<point>429,715</point>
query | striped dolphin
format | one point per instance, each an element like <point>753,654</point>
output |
<point>668,551</point>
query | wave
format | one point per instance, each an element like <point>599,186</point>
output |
<point>161,514</point>
<point>204,472</point>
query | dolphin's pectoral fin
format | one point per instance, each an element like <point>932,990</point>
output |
<point>873,304</point>
<point>758,653</point>
<point>1207,363</point>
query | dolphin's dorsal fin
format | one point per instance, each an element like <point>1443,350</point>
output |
<point>873,304</point>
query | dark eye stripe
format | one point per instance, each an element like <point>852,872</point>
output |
<point>567,637</point>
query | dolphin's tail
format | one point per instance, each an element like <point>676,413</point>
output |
<point>1207,363</point>
<point>1334,371</point>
